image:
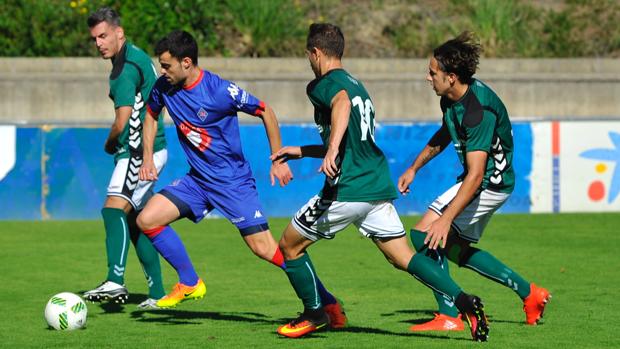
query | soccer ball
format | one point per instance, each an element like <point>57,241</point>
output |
<point>66,311</point>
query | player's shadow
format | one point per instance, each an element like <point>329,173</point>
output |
<point>427,315</point>
<point>185,317</point>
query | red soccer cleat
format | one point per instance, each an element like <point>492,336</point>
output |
<point>534,304</point>
<point>441,322</point>
<point>335,313</point>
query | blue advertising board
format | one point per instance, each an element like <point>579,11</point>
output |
<point>63,173</point>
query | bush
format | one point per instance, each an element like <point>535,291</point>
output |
<point>373,28</point>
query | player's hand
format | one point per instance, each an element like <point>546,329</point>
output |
<point>286,153</point>
<point>281,172</point>
<point>437,233</point>
<point>148,171</point>
<point>405,180</point>
<point>329,165</point>
<point>110,146</point>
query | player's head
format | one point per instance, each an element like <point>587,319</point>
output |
<point>454,61</point>
<point>106,31</point>
<point>324,40</point>
<point>178,54</point>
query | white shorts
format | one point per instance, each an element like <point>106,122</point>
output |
<point>125,180</point>
<point>470,223</point>
<point>322,219</point>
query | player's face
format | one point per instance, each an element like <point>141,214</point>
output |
<point>440,81</point>
<point>107,38</point>
<point>172,69</point>
<point>313,57</point>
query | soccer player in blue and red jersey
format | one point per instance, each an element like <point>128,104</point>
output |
<point>204,109</point>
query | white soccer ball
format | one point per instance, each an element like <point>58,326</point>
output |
<point>66,311</point>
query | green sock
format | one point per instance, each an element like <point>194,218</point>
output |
<point>303,278</point>
<point>429,273</point>
<point>445,304</point>
<point>487,265</point>
<point>116,242</point>
<point>149,258</point>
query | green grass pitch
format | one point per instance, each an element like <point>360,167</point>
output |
<point>575,256</point>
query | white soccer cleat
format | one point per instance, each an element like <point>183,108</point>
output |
<point>149,303</point>
<point>108,290</point>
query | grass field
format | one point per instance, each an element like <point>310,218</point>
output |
<point>575,256</point>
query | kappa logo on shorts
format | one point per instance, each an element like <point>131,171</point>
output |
<point>257,214</point>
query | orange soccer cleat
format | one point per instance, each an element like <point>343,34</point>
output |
<point>303,325</point>
<point>441,322</point>
<point>181,292</point>
<point>534,304</point>
<point>335,313</point>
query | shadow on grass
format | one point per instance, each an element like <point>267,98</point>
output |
<point>184,317</point>
<point>428,315</point>
<point>110,307</point>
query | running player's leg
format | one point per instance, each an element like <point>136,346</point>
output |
<point>175,201</point>
<point>264,246</point>
<point>534,298</point>
<point>302,276</point>
<point>149,259</point>
<point>447,318</point>
<point>425,269</point>
<point>469,226</point>
<point>317,219</point>
<point>383,225</point>
<point>241,205</point>
<point>147,255</point>
<point>114,214</point>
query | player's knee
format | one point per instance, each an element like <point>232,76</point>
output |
<point>263,251</point>
<point>143,222</point>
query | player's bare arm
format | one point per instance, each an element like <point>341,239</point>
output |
<point>148,171</point>
<point>297,152</point>
<point>437,232</point>
<point>435,145</point>
<point>279,169</point>
<point>341,109</point>
<point>120,120</point>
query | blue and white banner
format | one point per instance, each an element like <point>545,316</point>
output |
<point>63,173</point>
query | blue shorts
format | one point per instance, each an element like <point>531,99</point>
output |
<point>239,204</point>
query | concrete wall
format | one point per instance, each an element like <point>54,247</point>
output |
<point>74,90</point>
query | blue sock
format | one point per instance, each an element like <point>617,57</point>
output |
<point>326,297</point>
<point>170,246</point>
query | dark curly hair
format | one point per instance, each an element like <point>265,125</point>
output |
<point>460,56</point>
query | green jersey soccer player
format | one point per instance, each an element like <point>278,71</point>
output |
<point>131,80</point>
<point>476,122</point>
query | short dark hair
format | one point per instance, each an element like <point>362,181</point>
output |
<point>460,56</point>
<point>104,14</point>
<point>180,44</point>
<point>326,37</point>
